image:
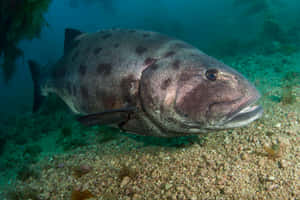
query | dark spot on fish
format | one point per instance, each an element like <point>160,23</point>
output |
<point>146,35</point>
<point>82,69</point>
<point>116,45</point>
<point>104,68</point>
<point>185,76</point>
<point>149,61</point>
<point>106,36</point>
<point>127,84</point>
<point>165,84</point>
<point>84,92</point>
<point>140,50</point>
<point>97,50</point>
<point>75,55</point>
<point>176,64</point>
<point>170,53</point>
<point>190,102</point>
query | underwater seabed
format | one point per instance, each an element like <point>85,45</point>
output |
<point>50,156</point>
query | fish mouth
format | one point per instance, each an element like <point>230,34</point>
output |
<point>245,114</point>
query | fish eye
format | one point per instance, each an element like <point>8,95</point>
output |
<point>211,74</point>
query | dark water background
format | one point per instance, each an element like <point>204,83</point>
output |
<point>205,24</point>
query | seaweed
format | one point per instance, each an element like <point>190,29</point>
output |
<point>288,49</point>
<point>26,193</point>
<point>19,20</point>
<point>253,7</point>
<point>66,131</point>
<point>127,171</point>
<point>271,29</point>
<point>26,172</point>
<point>273,151</point>
<point>32,152</point>
<point>290,80</point>
<point>81,195</point>
<point>287,96</point>
<point>78,142</point>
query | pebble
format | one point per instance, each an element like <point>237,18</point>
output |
<point>136,197</point>
<point>283,164</point>
<point>244,156</point>
<point>168,186</point>
<point>174,197</point>
<point>278,125</point>
<point>125,181</point>
<point>261,163</point>
<point>270,178</point>
<point>180,188</point>
<point>283,141</point>
<point>273,187</point>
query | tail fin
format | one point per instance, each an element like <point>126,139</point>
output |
<point>35,70</point>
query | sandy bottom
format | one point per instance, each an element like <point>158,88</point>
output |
<point>260,161</point>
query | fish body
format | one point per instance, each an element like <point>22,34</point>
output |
<point>146,83</point>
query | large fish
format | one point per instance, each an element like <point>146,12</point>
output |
<point>146,83</point>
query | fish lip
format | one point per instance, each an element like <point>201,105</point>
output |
<point>245,114</point>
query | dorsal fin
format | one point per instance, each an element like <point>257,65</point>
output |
<point>70,35</point>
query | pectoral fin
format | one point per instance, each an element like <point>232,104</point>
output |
<point>116,116</point>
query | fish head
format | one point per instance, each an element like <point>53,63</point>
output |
<point>199,95</point>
